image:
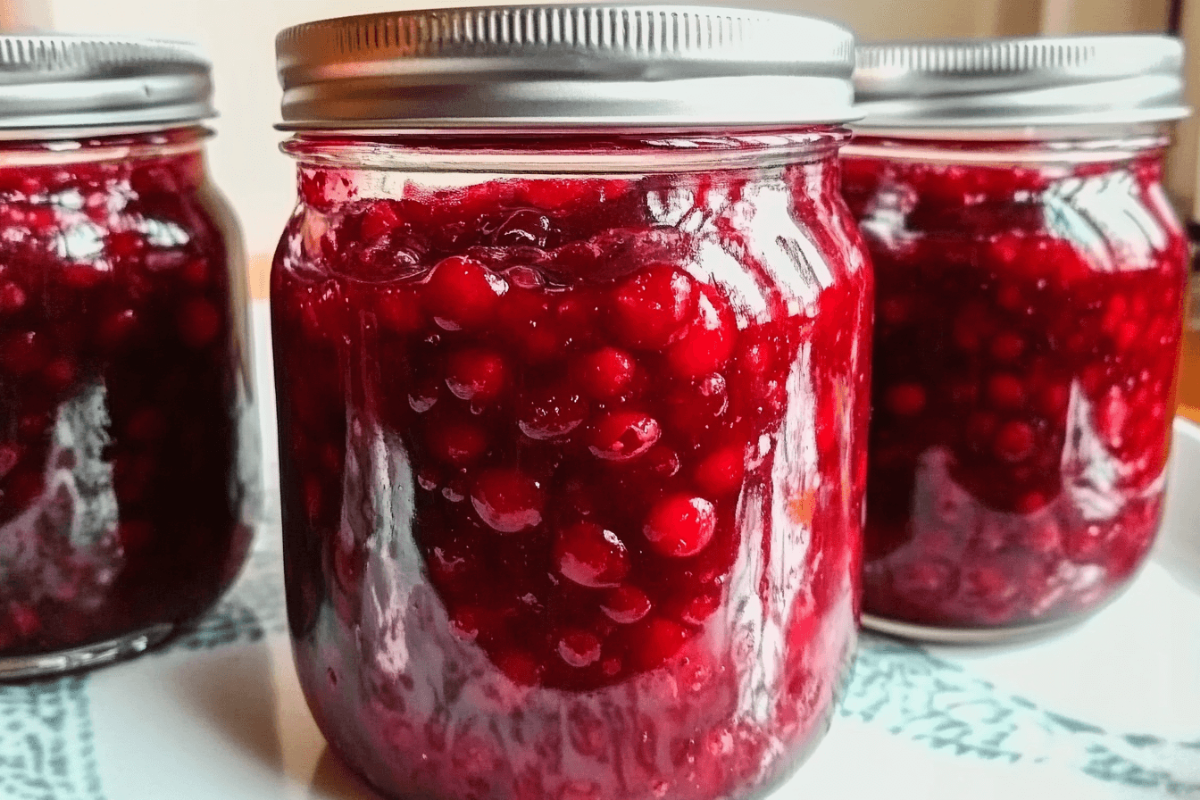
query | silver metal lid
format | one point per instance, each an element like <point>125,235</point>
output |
<point>554,67</point>
<point>1012,83</point>
<point>56,82</point>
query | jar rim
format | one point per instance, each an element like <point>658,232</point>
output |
<point>598,152</point>
<point>949,147</point>
<point>104,145</point>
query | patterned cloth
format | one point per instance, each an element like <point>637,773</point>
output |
<point>46,737</point>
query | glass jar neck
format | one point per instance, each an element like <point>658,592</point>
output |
<point>185,140</point>
<point>1003,147</point>
<point>596,152</point>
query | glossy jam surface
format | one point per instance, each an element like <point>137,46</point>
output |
<point>1028,325</point>
<point>571,503</point>
<point>121,497</point>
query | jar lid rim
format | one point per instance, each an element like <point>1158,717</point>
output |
<point>577,66</point>
<point>66,81</point>
<point>1021,82</point>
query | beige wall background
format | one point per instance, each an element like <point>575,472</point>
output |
<point>239,36</point>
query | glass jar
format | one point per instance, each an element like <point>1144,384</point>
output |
<point>128,448</point>
<point>572,440</point>
<point>1029,310</point>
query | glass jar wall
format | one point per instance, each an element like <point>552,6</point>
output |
<point>126,474</point>
<point>572,465</point>
<point>1028,323</point>
<point>128,437</point>
<point>1031,273</point>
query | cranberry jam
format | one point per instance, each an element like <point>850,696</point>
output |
<point>1028,324</point>
<point>572,472</point>
<point>120,495</point>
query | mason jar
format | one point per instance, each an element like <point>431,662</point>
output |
<point>128,449</point>
<point>572,371</point>
<point>1031,275</point>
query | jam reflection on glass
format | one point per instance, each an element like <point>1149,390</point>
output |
<point>1028,325</point>
<point>571,502</point>
<point>120,496</point>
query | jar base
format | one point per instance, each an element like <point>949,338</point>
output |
<point>96,654</point>
<point>967,636</point>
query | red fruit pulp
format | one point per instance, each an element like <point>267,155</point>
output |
<point>571,511</point>
<point>1028,329</point>
<point>125,483</point>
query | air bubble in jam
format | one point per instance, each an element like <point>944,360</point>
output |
<point>590,610</point>
<point>1029,323</point>
<point>125,477</point>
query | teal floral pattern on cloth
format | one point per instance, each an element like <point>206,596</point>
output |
<point>46,742</point>
<point>46,734</point>
<point>916,695</point>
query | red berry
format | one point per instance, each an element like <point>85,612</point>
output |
<point>623,435</point>
<point>626,605</point>
<point>508,500</point>
<point>695,408</point>
<point>1014,441</point>
<point>475,375</point>
<point>721,473</point>
<point>1052,401</point>
<point>701,607</point>
<point>1007,347</point>
<point>80,276</point>
<point>605,373</point>
<point>579,648</point>
<point>125,244</point>
<point>59,374</point>
<point>1006,392</point>
<point>658,640</point>
<point>591,556</point>
<point>526,320</point>
<point>199,323</point>
<point>24,619</point>
<point>551,412</point>
<point>117,328</point>
<point>649,310</point>
<point>456,441</point>
<point>681,525</point>
<point>708,342</point>
<point>12,298</point>
<point>462,294</point>
<point>424,395</point>
<point>399,310</point>
<point>195,273</point>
